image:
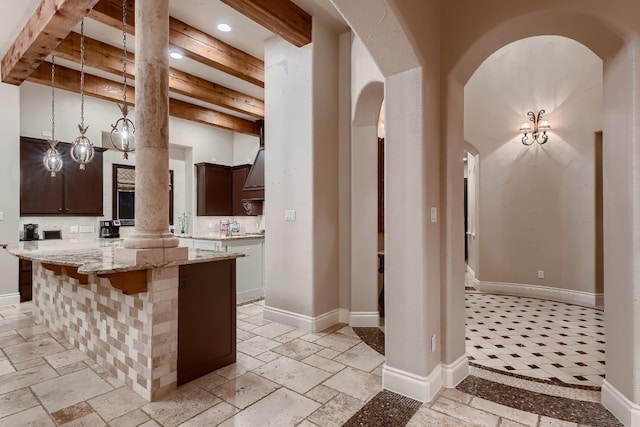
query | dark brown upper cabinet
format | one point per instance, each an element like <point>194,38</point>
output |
<point>214,190</point>
<point>72,191</point>
<point>221,190</point>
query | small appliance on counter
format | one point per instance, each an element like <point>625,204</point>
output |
<point>110,229</point>
<point>31,232</point>
<point>51,234</point>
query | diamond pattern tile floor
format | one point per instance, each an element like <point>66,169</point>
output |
<point>542,339</point>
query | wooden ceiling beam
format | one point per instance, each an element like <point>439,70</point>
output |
<point>50,23</point>
<point>108,90</point>
<point>193,43</point>
<point>281,17</point>
<point>108,58</point>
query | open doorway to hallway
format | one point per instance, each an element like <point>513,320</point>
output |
<point>534,240</point>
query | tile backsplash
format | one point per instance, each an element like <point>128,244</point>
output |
<point>87,228</point>
<point>70,227</point>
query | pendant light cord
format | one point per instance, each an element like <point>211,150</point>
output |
<point>124,50</point>
<point>82,73</point>
<point>53,102</point>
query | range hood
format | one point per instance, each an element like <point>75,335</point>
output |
<point>254,185</point>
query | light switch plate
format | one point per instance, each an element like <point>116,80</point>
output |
<point>434,214</point>
<point>1,216</point>
<point>290,215</point>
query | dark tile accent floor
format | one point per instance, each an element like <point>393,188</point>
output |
<point>537,380</point>
<point>577,411</point>
<point>373,337</point>
<point>386,409</point>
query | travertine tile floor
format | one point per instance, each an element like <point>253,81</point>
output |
<point>283,377</point>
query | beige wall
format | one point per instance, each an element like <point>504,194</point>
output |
<point>536,203</point>
<point>301,174</point>
<point>10,193</point>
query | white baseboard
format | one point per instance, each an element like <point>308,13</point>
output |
<point>301,321</point>
<point>249,295</point>
<point>470,272</point>
<point>600,301</point>
<point>344,315</point>
<point>454,373</point>
<point>617,403</point>
<point>535,291</point>
<point>10,299</point>
<point>364,319</point>
<point>422,389</point>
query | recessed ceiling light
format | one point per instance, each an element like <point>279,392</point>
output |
<point>175,54</point>
<point>224,27</point>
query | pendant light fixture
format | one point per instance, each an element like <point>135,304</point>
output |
<point>123,131</point>
<point>52,160</point>
<point>82,150</point>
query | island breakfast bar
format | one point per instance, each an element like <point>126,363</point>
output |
<point>154,326</point>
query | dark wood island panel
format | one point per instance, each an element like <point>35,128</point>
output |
<point>206,318</point>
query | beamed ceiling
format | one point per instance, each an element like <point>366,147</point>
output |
<point>220,80</point>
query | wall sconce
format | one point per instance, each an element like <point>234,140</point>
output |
<point>539,125</point>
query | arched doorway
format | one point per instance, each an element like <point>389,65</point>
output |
<point>427,51</point>
<point>364,207</point>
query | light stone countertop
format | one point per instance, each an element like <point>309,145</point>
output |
<point>97,256</point>
<point>221,237</point>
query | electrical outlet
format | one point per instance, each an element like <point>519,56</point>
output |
<point>46,133</point>
<point>73,229</point>
<point>1,216</point>
<point>433,343</point>
<point>540,274</point>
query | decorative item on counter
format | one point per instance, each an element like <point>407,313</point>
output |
<point>122,134</point>
<point>183,222</point>
<point>52,160</point>
<point>82,150</point>
<point>224,227</point>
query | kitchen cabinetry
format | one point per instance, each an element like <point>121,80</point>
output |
<point>214,190</point>
<point>25,279</point>
<point>220,189</point>
<point>206,318</point>
<point>71,192</point>
<point>249,269</point>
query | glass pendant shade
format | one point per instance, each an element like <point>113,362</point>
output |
<point>82,150</point>
<point>52,161</point>
<point>123,135</point>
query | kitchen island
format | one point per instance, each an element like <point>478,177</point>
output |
<point>154,326</point>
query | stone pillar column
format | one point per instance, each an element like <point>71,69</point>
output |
<point>152,136</point>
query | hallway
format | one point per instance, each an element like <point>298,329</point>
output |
<point>283,377</point>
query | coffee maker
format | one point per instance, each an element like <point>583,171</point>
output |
<point>31,232</point>
<point>110,229</point>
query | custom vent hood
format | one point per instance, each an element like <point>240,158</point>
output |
<point>254,185</point>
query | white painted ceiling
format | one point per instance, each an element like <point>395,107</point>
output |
<point>204,15</point>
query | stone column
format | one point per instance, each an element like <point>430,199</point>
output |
<point>151,240</point>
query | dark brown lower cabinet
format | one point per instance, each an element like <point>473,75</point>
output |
<point>25,279</point>
<point>206,318</point>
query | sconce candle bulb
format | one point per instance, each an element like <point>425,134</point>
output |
<point>538,131</point>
